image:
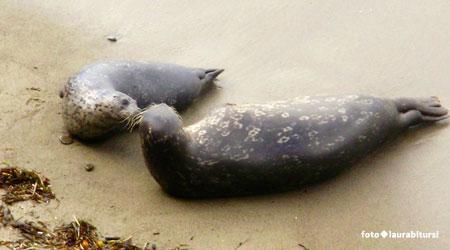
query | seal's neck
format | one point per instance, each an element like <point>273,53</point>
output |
<point>165,153</point>
<point>162,140</point>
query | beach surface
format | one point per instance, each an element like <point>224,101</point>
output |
<point>271,50</point>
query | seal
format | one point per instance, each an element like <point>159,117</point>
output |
<point>102,95</point>
<point>261,148</point>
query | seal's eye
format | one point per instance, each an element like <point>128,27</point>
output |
<point>125,102</point>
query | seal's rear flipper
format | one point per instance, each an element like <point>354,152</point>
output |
<point>434,118</point>
<point>415,111</point>
<point>430,106</point>
<point>414,117</point>
<point>212,74</point>
<point>208,77</point>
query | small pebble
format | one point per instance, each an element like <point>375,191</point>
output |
<point>89,167</point>
<point>66,139</point>
<point>112,37</point>
<point>34,88</point>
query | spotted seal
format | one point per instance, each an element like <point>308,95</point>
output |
<point>102,95</point>
<point>260,148</point>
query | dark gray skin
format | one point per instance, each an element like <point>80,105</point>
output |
<point>99,99</point>
<point>263,148</point>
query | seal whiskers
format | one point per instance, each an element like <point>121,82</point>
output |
<point>129,121</point>
<point>136,119</point>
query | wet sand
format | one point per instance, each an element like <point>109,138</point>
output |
<point>271,51</point>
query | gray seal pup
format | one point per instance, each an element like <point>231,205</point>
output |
<point>102,96</point>
<point>262,148</point>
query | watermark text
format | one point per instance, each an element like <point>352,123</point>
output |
<point>399,235</point>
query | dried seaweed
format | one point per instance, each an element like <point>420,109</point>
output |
<point>5,215</point>
<point>77,235</point>
<point>21,185</point>
<point>34,234</point>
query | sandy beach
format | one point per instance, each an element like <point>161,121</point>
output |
<point>271,50</point>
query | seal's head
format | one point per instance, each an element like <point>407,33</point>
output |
<point>97,112</point>
<point>161,124</point>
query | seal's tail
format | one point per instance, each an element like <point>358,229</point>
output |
<point>415,111</point>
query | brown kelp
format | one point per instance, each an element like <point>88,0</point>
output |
<point>21,184</point>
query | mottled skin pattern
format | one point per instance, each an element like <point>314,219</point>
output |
<point>260,148</point>
<point>98,98</point>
